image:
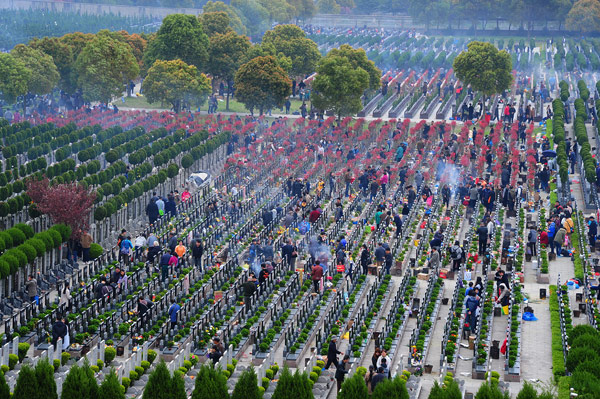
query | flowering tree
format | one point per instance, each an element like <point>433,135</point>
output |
<point>67,203</point>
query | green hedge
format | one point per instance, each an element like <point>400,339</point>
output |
<point>558,362</point>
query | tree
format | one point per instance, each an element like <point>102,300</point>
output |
<point>295,386</point>
<point>267,49</point>
<point>80,383</point>
<point>254,16</point>
<point>338,86</point>
<point>305,9</point>
<point>354,388</point>
<point>62,56</point>
<point>4,388</point>
<point>527,392</point>
<point>14,77</point>
<point>215,22</point>
<point>44,378</point>
<point>484,67</point>
<point>247,386</point>
<point>210,384</point>
<point>226,53</point>
<point>175,82</point>
<point>279,10</point>
<point>44,75</point>
<point>358,59</point>
<point>178,387</point>
<point>449,390</point>
<point>261,83</point>
<point>235,21</point>
<point>390,389</point>
<point>26,387</point>
<point>179,37</point>
<point>584,16</point>
<point>68,203</point>
<point>490,391</point>
<point>110,387</point>
<point>159,383</point>
<point>293,43</point>
<point>328,7</point>
<point>103,66</point>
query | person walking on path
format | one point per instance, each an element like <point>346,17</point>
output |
<point>316,275</point>
<point>332,353</point>
<point>164,264</point>
<point>340,372</point>
<point>197,252</point>
<point>482,233</point>
<point>592,231</point>
<point>173,313</point>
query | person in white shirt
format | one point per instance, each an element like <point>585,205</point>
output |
<point>140,241</point>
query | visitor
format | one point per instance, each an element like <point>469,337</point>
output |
<point>365,259</point>
<point>340,372</point>
<point>197,252</point>
<point>532,239</point>
<point>471,304</point>
<point>456,253</point>
<point>152,211</point>
<point>123,280</point>
<point>377,378</point>
<point>592,231</point>
<point>164,264</point>
<point>369,378</point>
<point>86,243</point>
<point>375,357</point>
<point>389,260</point>
<point>482,233</point>
<point>332,353</point>
<point>140,241</point>
<point>173,313</point>
<point>316,276</point>
<point>180,250</point>
<point>434,259</point>
<point>32,289</point>
<point>59,330</point>
<point>248,288</point>
<point>559,239</point>
<point>379,254</point>
<point>65,296</point>
<point>125,251</point>
<point>153,252</point>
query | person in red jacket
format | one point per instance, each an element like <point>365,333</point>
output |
<point>543,238</point>
<point>316,275</point>
<point>314,215</point>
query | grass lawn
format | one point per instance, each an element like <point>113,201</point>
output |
<point>234,106</point>
<point>139,102</point>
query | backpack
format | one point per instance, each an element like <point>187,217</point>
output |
<point>456,252</point>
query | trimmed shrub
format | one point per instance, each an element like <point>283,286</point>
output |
<point>580,355</point>
<point>109,354</point>
<point>23,349</point>
<point>12,361</point>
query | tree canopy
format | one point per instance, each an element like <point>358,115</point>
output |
<point>175,82</point>
<point>215,22</point>
<point>291,41</point>
<point>211,7</point>
<point>484,67</point>
<point>584,16</point>
<point>339,85</point>
<point>358,59</point>
<point>261,83</point>
<point>179,37</point>
<point>44,74</point>
<point>103,67</point>
<point>14,77</point>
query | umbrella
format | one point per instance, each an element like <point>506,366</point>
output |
<point>549,153</point>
